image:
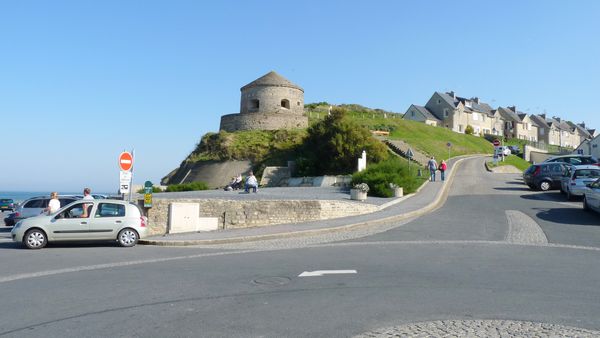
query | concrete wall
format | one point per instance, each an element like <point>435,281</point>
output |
<point>244,214</point>
<point>262,121</point>
<point>214,173</point>
<point>539,154</point>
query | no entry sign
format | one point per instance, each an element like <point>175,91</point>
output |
<point>496,143</point>
<point>125,161</point>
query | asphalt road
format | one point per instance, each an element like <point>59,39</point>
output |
<point>494,251</point>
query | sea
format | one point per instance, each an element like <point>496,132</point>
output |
<point>20,196</point>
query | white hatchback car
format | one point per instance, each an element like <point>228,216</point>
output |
<point>576,178</point>
<point>83,221</point>
<point>591,197</point>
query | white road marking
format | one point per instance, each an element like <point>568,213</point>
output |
<point>320,273</point>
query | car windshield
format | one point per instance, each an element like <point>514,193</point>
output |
<point>586,173</point>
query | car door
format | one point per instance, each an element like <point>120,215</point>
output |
<point>556,173</point>
<point>592,195</point>
<point>107,220</point>
<point>68,224</point>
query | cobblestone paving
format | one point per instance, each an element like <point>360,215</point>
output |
<point>480,328</point>
<point>523,229</point>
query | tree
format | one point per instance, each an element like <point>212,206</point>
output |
<point>334,144</point>
<point>469,130</point>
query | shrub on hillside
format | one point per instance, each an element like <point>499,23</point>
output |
<point>192,186</point>
<point>334,144</point>
<point>469,130</point>
<point>380,175</point>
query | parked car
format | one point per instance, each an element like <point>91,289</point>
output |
<point>576,178</point>
<point>591,197</point>
<point>33,207</point>
<point>514,149</point>
<point>544,176</point>
<point>574,160</point>
<point>7,204</point>
<point>106,220</point>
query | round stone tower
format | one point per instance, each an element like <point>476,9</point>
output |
<point>270,102</point>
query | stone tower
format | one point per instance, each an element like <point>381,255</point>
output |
<point>267,103</point>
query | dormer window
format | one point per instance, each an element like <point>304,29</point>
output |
<point>285,104</point>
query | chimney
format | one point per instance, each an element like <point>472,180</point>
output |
<point>476,99</point>
<point>543,116</point>
<point>556,118</point>
<point>453,94</point>
<point>513,108</point>
<point>582,124</point>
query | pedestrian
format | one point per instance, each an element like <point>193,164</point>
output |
<point>251,182</point>
<point>53,204</point>
<point>432,165</point>
<point>443,167</point>
<point>87,197</point>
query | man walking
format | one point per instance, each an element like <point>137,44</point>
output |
<point>432,165</point>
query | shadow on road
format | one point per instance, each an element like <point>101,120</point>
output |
<point>513,189</point>
<point>516,182</point>
<point>61,245</point>
<point>545,196</point>
<point>573,216</point>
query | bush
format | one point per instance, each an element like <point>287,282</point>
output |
<point>469,130</point>
<point>193,186</point>
<point>334,144</point>
<point>379,176</point>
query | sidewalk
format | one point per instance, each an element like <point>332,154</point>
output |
<point>430,196</point>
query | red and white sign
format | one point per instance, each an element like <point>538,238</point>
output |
<point>496,143</point>
<point>125,161</point>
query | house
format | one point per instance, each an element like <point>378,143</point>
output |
<point>590,147</point>
<point>543,128</point>
<point>421,114</point>
<point>580,133</point>
<point>455,113</point>
<point>518,124</point>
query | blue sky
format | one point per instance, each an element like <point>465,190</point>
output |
<point>80,81</point>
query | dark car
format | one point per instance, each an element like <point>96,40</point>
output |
<point>514,149</point>
<point>7,204</point>
<point>574,160</point>
<point>545,176</point>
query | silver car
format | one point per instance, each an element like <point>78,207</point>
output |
<point>84,220</point>
<point>575,179</point>
<point>591,197</point>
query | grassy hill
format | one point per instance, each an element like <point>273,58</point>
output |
<point>267,148</point>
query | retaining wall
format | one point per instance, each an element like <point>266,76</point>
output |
<point>245,214</point>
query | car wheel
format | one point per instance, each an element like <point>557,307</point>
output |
<point>586,207</point>
<point>127,237</point>
<point>35,239</point>
<point>545,186</point>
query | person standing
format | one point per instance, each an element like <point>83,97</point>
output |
<point>443,167</point>
<point>87,197</point>
<point>53,204</point>
<point>432,165</point>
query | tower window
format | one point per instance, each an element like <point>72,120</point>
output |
<point>254,104</point>
<point>285,104</point>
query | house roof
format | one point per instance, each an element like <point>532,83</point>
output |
<point>508,114</point>
<point>541,122</point>
<point>480,107</point>
<point>449,99</point>
<point>272,79</point>
<point>429,115</point>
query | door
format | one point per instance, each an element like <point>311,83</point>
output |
<point>107,220</point>
<point>69,224</point>
<point>593,195</point>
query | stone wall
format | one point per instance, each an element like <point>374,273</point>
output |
<point>244,214</point>
<point>269,100</point>
<point>262,121</point>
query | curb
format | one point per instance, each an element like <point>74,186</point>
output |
<point>439,200</point>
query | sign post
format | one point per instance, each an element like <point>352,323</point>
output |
<point>409,154</point>
<point>449,145</point>
<point>148,194</point>
<point>126,174</point>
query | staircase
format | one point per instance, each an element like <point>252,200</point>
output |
<point>401,147</point>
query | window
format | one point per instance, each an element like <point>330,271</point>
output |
<point>587,173</point>
<point>412,113</point>
<point>475,116</point>
<point>460,128</point>
<point>298,103</point>
<point>110,210</point>
<point>36,203</point>
<point>439,101</point>
<point>74,211</point>
<point>285,104</point>
<point>541,131</point>
<point>446,112</point>
<point>254,104</point>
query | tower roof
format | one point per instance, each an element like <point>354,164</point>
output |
<point>272,79</point>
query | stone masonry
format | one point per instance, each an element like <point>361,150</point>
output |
<point>243,214</point>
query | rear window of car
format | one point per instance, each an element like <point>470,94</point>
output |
<point>5,200</point>
<point>110,210</point>
<point>587,173</point>
<point>36,203</point>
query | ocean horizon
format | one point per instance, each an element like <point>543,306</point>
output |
<point>20,196</point>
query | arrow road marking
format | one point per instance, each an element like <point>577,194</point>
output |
<point>319,273</point>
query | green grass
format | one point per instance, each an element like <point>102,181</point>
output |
<point>513,160</point>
